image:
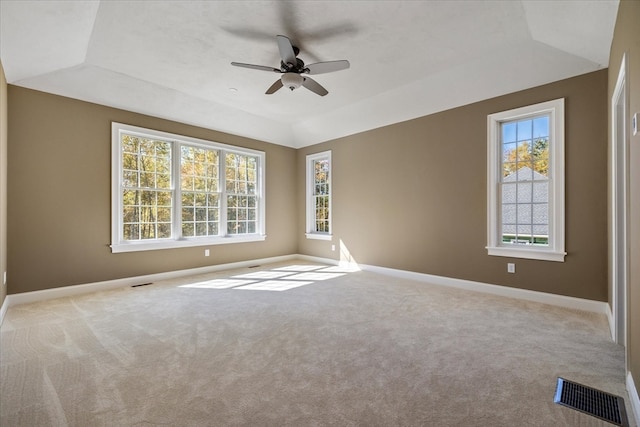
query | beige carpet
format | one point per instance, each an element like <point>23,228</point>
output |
<point>304,345</point>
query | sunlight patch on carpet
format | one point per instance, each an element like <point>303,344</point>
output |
<point>299,268</point>
<point>276,279</point>
<point>315,276</point>
<point>274,285</point>
<point>267,274</point>
<point>218,284</point>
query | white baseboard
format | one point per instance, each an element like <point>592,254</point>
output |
<point>612,325</point>
<point>633,397</point>
<point>318,259</point>
<point>3,309</point>
<point>505,291</point>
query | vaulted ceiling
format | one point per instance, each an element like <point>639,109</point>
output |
<point>171,59</point>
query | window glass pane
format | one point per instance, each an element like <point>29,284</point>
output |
<point>541,233</point>
<point>201,228</point>
<point>508,132</point>
<point>129,178</point>
<point>540,158</point>
<point>523,151</point>
<point>524,231</point>
<point>540,192</point>
<point>525,129</point>
<point>524,213</point>
<point>524,192</point>
<point>188,214</point>
<point>187,229</point>
<point>508,214</point>
<point>164,215</point>
<point>541,214</point>
<point>509,193</point>
<point>508,171</point>
<point>509,152</point>
<point>213,228</point>
<point>164,230</point>
<point>541,127</point>
<point>129,144</point>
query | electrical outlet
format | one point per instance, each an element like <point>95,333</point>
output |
<point>511,267</point>
<point>206,252</point>
<point>333,248</point>
<point>4,278</point>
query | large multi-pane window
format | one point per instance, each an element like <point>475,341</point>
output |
<point>319,195</point>
<point>526,182</point>
<point>173,191</point>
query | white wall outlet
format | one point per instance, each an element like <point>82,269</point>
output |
<point>4,278</point>
<point>511,267</point>
<point>206,252</point>
<point>333,248</point>
<point>635,124</point>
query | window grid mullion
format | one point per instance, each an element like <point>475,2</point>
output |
<point>176,189</point>
<point>222,216</point>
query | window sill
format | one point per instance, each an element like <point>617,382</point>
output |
<point>528,253</point>
<point>318,236</point>
<point>187,243</point>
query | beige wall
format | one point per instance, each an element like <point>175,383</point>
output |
<point>412,196</point>
<point>59,196</point>
<point>3,183</point>
<point>627,40</point>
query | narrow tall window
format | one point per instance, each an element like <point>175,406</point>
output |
<point>173,191</point>
<point>526,182</point>
<point>319,196</point>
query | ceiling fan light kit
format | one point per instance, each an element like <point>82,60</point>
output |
<point>292,80</point>
<point>292,68</point>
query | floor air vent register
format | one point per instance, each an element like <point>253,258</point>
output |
<point>599,404</point>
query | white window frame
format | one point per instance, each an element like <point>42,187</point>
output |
<point>555,250</point>
<point>118,244</point>
<point>311,219</point>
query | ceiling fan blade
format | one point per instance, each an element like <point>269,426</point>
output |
<point>327,67</point>
<point>286,50</point>
<point>274,87</point>
<point>314,86</point>
<point>256,67</point>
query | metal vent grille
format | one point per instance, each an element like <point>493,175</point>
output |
<point>599,404</point>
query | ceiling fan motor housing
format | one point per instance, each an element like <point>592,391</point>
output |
<point>298,67</point>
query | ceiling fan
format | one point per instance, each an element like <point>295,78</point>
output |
<point>294,71</point>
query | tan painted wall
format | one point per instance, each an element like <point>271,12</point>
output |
<point>412,196</point>
<point>3,183</point>
<point>59,202</point>
<point>627,40</point>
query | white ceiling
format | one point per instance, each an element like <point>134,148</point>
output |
<point>171,59</point>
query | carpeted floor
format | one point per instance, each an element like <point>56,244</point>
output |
<point>299,345</point>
